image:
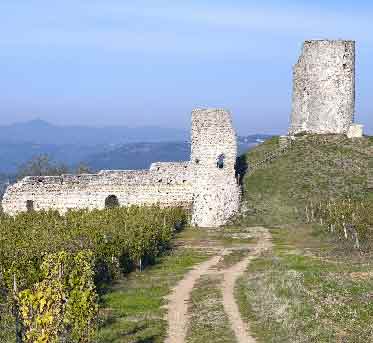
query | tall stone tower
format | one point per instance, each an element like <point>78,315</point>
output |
<point>324,88</point>
<point>216,194</point>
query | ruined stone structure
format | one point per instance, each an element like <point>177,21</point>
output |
<point>324,88</point>
<point>206,184</point>
<point>214,152</point>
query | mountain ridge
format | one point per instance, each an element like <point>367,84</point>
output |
<point>38,131</point>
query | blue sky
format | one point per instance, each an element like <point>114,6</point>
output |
<point>151,62</point>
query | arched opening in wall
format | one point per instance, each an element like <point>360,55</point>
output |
<point>29,205</point>
<point>220,161</point>
<point>111,201</point>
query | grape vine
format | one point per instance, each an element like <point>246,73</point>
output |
<point>52,265</point>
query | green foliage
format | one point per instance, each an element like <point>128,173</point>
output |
<point>47,254</point>
<point>41,165</point>
<point>41,310</point>
<point>64,303</point>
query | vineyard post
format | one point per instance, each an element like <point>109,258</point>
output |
<point>357,243</point>
<point>345,230</point>
<point>16,312</point>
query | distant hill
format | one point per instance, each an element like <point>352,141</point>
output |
<point>126,156</point>
<point>141,155</point>
<point>13,155</point>
<point>102,148</point>
<point>43,133</point>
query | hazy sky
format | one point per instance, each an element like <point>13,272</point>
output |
<point>151,62</point>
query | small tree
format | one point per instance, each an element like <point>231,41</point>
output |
<point>83,168</point>
<point>41,165</point>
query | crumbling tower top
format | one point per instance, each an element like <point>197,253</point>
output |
<point>324,87</point>
<point>216,195</point>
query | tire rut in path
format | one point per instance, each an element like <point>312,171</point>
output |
<point>231,275</point>
<point>178,300</point>
<point>177,315</point>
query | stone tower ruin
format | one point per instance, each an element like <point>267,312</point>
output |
<point>324,88</point>
<point>213,157</point>
<point>206,184</point>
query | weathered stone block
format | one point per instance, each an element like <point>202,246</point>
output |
<point>355,131</point>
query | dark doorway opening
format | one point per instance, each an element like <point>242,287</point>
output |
<point>29,205</point>
<point>111,201</point>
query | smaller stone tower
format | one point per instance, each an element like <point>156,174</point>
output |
<point>216,194</point>
<point>324,88</point>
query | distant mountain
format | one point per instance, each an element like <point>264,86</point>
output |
<point>141,155</point>
<point>43,133</point>
<point>125,156</point>
<point>13,155</point>
<point>21,142</point>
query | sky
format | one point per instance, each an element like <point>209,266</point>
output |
<point>150,62</point>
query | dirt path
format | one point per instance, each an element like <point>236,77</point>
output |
<point>179,298</point>
<point>231,275</point>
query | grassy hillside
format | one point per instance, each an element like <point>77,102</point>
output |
<point>312,286</point>
<point>313,167</point>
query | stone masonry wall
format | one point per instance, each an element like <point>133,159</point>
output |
<point>324,88</point>
<point>168,186</point>
<point>216,192</point>
<point>210,191</point>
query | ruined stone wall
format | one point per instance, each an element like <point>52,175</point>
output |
<point>170,185</point>
<point>206,184</point>
<point>324,88</point>
<point>216,192</point>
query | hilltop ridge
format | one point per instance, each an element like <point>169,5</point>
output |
<point>314,166</point>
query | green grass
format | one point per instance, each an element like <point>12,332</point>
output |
<point>311,287</point>
<point>209,323</point>
<point>232,258</point>
<point>314,167</point>
<point>303,292</point>
<point>132,311</point>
